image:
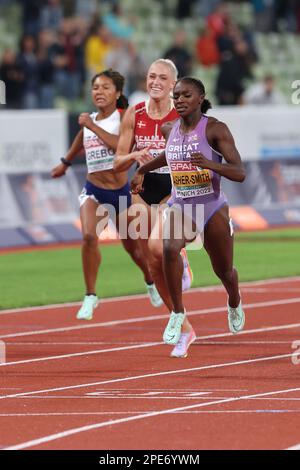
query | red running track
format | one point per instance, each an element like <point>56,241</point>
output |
<point>110,383</point>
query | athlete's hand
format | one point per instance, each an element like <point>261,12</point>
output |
<point>137,183</point>
<point>198,159</point>
<point>59,170</point>
<point>143,156</point>
<point>85,120</point>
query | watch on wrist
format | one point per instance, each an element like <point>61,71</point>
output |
<point>65,162</point>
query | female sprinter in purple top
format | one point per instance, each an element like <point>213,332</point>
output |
<point>194,151</point>
<point>99,135</point>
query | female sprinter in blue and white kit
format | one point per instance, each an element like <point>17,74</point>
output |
<point>99,136</point>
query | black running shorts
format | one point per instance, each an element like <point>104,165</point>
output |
<point>156,186</point>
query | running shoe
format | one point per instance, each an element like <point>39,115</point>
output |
<point>173,329</point>
<point>86,311</point>
<point>236,318</point>
<point>155,298</point>
<point>185,340</point>
<point>187,275</point>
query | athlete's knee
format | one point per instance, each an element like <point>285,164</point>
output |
<point>226,275</point>
<point>155,250</point>
<point>90,239</point>
<point>133,249</point>
<point>171,249</point>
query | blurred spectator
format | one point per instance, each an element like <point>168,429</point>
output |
<point>286,12</point>
<point>264,93</point>
<point>28,62</point>
<point>51,15</point>
<point>178,53</point>
<point>206,7</point>
<point>140,94</point>
<point>97,47</point>
<point>233,34</point>
<point>120,57</point>
<point>46,40</point>
<point>117,24</point>
<point>86,9</point>
<point>218,18</point>
<point>233,71</point>
<point>207,51</point>
<point>68,59</point>
<point>11,73</point>
<point>138,69</point>
<point>184,8</point>
<point>31,16</point>
<point>264,11</point>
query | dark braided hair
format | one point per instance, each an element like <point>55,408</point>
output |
<point>206,104</point>
<point>118,80</point>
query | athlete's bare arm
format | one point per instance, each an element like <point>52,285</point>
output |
<point>110,140</point>
<point>166,128</point>
<point>124,155</point>
<point>138,178</point>
<point>221,140</point>
<point>75,148</point>
<point>159,161</point>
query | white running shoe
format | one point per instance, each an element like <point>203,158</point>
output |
<point>86,311</point>
<point>187,275</point>
<point>173,329</point>
<point>236,318</point>
<point>153,293</point>
<point>185,340</point>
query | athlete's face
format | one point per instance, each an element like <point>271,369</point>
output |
<point>160,81</point>
<point>104,92</point>
<point>187,98</point>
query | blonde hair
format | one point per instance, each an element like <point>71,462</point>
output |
<point>169,64</point>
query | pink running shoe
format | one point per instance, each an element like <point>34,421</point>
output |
<point>185,340</point>
<point>187,276</point>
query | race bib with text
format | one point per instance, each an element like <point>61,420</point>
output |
<point>190,180</point>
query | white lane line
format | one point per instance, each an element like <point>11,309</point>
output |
<point>91,427</point>
<point>138,397</point>
<point>115,397</point>
<point>145,296</point>
<point>84,353</point>
<point>146,345</point>
<point>296,447</point>
<point>100,413</point>
<point>110,343</point>
<point>206,311</point>
<point>145,376</point>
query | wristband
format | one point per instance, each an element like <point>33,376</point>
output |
<point>65,162</point>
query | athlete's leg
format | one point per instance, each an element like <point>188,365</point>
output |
<point>149,220</point>
<point>155,245</point>
<point>91,257</point>
<point>218,242</point>
<point>133,246</point>
<point>127,222</point>
<point>174,239</point>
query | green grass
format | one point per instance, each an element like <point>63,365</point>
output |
<point>54,276</point>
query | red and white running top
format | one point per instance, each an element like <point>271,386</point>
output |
<point>147,131</point>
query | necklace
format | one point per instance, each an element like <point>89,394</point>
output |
<point>161,114</point>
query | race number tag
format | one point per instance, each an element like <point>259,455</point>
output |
<point>98,157</point>
<point>190,180</point>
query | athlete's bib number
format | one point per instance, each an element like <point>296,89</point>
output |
<point>99,159</point>
<point>155,153</point>
<point>189,181</point>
